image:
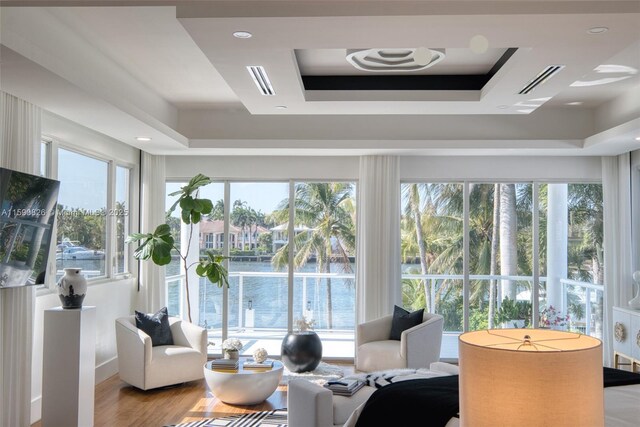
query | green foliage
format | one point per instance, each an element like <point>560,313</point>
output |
<point>156,245</point>
<point>192,208</point>
<point>478,319</point>
<point>514,310</point>
<point>211,267</point>
<point>159,245</point>
<point>265,242</point>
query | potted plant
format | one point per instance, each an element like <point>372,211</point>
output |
<point>302,350</point>
<point>551,318</point>
<point>514,314</point>
<point>231,348</point>
<point>158,245</point>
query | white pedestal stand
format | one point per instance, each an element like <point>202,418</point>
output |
<point>69,364</point>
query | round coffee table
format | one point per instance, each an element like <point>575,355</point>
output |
<point>243,386</point>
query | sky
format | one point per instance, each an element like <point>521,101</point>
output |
<point>261,196</point>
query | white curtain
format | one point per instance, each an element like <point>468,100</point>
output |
<point>152,296</point>
<point>19,150</point>
<point>618,269</point>
<point>378,247</point>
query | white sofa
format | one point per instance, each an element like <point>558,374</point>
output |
<point>147,367</point>
<point>418,346</point>
<point>311,405</point>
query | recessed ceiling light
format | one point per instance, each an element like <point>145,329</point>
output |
<point>597,30</point>
<point>574,103</point>
<point>281,107</point>
<point>143,138</point>
<point>242,34</point>
<point>503,107</point>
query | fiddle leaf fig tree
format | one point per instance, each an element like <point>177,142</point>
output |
<point>158,245</point>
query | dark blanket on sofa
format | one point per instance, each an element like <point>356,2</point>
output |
<point>437,400</point>
<point>396,404</point>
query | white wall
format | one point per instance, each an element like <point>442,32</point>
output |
<point>505,168</point>
<point>263,167</point>
<point>548,169</point>
<point>112,298</point>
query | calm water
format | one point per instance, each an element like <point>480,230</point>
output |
<point>266,298</point>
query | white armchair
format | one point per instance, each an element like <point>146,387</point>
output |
<point>418,346</point>
<point>147,367</point>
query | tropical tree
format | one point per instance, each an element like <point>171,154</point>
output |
<point>157,245</point>
<point>508,239</point>
<point>327,210</point>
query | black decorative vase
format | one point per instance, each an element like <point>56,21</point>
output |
<point>301,351</point>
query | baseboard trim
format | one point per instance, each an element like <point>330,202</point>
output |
<point>36,409</point>
<point>103,371</point>
<point>106,369</point>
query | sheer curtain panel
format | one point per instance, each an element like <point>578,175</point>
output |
<point>152,296</point>
<point>616,173</point>
<point>19,150</point>
<point>378,239</point>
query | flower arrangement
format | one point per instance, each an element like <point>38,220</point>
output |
<point>550,317</point>
<point>232,344</point>
<point>260,355</point>
<point>302,324</point>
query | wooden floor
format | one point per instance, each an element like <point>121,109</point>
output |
<point>118,404</point>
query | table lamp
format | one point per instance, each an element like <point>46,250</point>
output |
<point>530,377</point>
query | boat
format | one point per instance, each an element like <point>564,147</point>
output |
<point>79,252</point>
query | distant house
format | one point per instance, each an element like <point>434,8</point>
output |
<point>280,234</point>
<point>212,235</point>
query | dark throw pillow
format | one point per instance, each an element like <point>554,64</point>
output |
<point>403,320</point>
<point>156,326</point>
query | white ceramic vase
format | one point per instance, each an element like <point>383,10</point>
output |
<point>72,288</point>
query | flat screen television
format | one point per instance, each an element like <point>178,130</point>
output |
<point>27,214</point>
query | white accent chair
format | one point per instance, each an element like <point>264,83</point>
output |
<point>147,367</point>
<point>418,346</point>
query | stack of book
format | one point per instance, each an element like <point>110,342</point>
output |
<point>252,364</point>
<point>224,364</point>
<point>344,387</point>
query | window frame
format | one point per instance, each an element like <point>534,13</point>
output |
<point>53,145</point>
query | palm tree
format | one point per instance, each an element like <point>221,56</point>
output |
<point>494,252</point>
<point>508,239</point>
<point>327,208</point>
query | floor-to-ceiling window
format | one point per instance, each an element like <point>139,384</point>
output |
<point>324,262</point>
<point>432,252</point>
<point>273,285</point>
<point>512,228</point>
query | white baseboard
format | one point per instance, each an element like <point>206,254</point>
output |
<point>106,369</point>
<point>103,371</point>
<point>36,409</point>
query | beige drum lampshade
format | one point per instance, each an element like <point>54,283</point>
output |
<point>530,377</point>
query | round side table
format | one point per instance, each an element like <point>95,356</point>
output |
<point>243,386</point>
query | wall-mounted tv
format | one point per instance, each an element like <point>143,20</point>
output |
<point>27,214</point>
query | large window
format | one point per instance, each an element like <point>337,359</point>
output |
<point>503,288</point>
<point>264,301</point>
<point>82,213</point>
<point>93,218</point>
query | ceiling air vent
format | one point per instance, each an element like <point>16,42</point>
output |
<point>261,79</point>
<point>542,77</point>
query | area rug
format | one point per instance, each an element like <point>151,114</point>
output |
<point>323,373</point>
<point>276,418</point>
